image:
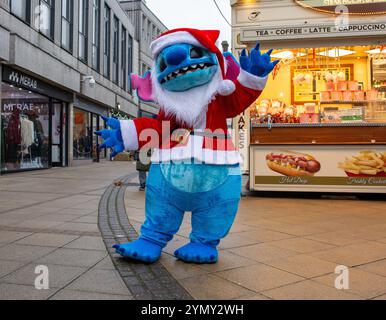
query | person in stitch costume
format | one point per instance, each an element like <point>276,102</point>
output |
<point>195,166</point>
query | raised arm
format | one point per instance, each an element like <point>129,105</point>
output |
<point>251,81</point>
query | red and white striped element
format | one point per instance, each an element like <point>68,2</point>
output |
<point>210,144</point>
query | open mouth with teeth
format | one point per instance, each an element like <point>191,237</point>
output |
<point>185,71</point>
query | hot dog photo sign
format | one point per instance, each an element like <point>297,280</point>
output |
<point>318,168</point>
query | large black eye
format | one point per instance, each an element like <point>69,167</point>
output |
<point>196,53</point>
<point>162,65</point>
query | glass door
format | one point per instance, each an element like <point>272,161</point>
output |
<point>58,134</point>
<point>95,138</point>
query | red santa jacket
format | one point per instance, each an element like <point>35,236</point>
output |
<point>210,143</point>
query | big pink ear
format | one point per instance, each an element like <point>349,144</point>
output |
<point>232,67</point>
<point>143,86</point>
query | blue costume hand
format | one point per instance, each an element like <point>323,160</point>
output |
<point>257,64</point>
<point>112,138</point>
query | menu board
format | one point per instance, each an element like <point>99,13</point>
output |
<point>318,168</point>
<point>353,6</point>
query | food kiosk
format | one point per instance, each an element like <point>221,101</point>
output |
<point>320,124</point>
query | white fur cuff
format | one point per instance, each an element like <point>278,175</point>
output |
<point>250,81</point>
<point>129,135</point>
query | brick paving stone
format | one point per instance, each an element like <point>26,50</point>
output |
<point>47,239</point>
<point>309,290</point>
<point>9,291</point>
<point>87,295</point>
<point>259,277</point>
<point>73,257</point>
<point>362,283</point>
<point>11,236</point>
<point>59,276</point>
<point>16,252</point>
<point>102,281</point>
<point>213,287</point>
<point>7,267</point>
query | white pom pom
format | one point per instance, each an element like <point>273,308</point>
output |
<point>226,88</point>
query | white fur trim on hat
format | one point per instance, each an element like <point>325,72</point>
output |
<point>226,88</point>
<point>177,37</point>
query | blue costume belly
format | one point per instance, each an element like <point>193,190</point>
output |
<point>193,178</point>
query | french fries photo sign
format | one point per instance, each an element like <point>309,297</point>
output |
<point>319,168</point>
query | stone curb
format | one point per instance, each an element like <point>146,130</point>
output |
<point>144,281</point>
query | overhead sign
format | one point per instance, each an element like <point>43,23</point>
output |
<point>313,31</point>
<point>25,81</point>
<point>354,7</point>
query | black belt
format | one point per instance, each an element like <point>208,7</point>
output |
<point>210,134</point>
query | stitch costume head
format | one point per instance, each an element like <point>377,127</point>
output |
<point>197,89</point>
<point>189,70</point>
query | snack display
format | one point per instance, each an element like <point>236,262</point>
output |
<point>293,164</point>
<point>275,111</point>
<point>367,164</point>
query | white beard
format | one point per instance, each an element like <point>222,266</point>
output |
<point>189,107</point>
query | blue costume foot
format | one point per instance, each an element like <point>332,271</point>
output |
<point>198,253</point>
<point>140,250</point>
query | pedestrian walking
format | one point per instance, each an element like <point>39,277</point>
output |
<point>142,168</point>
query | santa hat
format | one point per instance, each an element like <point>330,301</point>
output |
<point>201,38</point>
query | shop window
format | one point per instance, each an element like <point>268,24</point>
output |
<point>67,16</point>
<point>116,51</point>
<point>124,58</point>
<point>83,136</point>
<point>46,21</point>
<point>83,30</point>
<point>96,34</point>
<point>325,85</point>
<point>25,123</point>
<point>107,39</point>
<point>85,142</point>
<point>21,9</point>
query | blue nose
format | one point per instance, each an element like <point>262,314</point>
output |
<point>176,56</point>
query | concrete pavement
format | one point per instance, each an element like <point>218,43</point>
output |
<point>277,248</point>
<point>286,249</point>
<point>50,218</point>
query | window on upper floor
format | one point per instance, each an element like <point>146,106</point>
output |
<point>154,33</point>
<point>149,36</point>
<point>67,17</point>
<point>129,58</point>
<point>107,42</point>
<point>96,31</point>
<point>46,18</point>
<point>123,58</point>
<point>116,50</point>
<point>21,9</point>
<point>83,30</point>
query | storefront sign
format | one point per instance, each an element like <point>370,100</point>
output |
<point>21,79</point>
<point>8,106</point>
<point>354,7</point>
<point>28,82</point>
<point>313,31</point>
<point>241,124</point>
<point>318,167</point>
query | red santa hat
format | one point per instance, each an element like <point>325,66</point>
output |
<point>202,38</point>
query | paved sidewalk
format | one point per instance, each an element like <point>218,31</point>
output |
<point>277,248</point>
<point>286,249</point>
<point>50,218</point>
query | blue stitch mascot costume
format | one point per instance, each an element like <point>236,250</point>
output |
<point>195,166</point>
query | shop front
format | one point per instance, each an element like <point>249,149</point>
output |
<point>320,124</point>
<point>34,131</point>
<point>87,119</point>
